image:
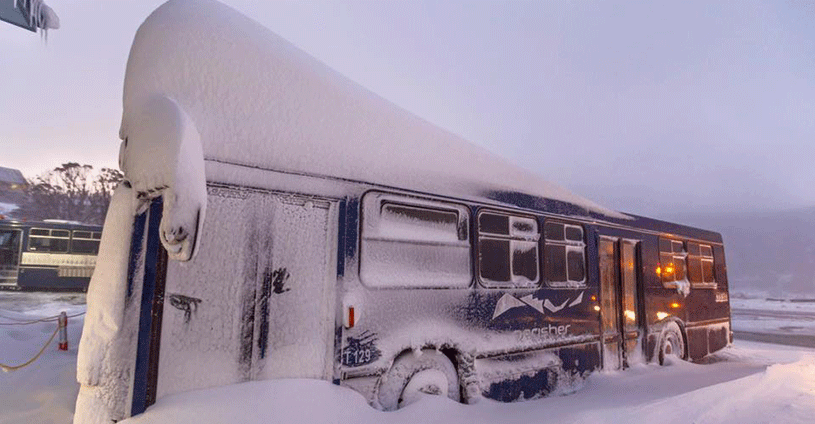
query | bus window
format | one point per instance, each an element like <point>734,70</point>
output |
<point>414,243</point>
<point>507,250</point>
<point>673,262</point>
<point>83,242</point>
<point>43,240</point>
<point>700,265</point>
<point>564,254</point>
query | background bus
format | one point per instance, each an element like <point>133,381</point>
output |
<point>48,255</point>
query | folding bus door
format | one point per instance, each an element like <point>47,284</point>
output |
<point>619,296</point>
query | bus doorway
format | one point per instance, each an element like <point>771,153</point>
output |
<point>9,256</point>
<point>620,318</point>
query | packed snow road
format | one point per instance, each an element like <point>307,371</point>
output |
<point>748,382</point>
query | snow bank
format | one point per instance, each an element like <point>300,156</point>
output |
<point>259,101</point>
<point>727,392</point>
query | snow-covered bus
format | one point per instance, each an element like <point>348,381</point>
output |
<point>47,255</point>
<point>279,221</point>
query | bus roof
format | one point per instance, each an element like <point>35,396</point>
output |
<point>259,101</point>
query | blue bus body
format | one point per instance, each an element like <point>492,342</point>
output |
<point>508,337</point>
<point>47,255</point>
<point>342,238</point>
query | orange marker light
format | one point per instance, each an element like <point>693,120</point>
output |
<point>659,270</point>
<point>675,305</point>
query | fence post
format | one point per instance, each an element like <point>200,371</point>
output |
<point>63,331</point>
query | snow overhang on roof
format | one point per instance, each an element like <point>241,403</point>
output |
<point>257,100</point>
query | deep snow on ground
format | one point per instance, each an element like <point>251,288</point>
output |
<point>747,383</point>
<point>787,321</point>
<point>45,391</point>
<point>735,387</point>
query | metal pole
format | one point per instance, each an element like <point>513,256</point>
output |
<point>63,331</point>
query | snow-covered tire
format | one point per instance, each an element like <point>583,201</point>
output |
<point>412,374</point>
<point>671,342</point>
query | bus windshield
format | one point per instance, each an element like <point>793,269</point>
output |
<point>9,247</point>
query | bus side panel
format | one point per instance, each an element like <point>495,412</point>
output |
<point>531,375</point>
<point>697,342</point>
<point>43,278</point>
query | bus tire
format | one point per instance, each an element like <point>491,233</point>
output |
<point>412,374</point>
<point>671,342</point>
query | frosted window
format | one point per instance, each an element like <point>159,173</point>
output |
<point>700,265</point>
<point>577,269</point>
<point>414,243</point>
<point>674,263</point>
<point>565,254</point>
<point>508,250</point>
<point>493,257</point>
<point>554,231</point>
<point>489,223</point>
<point>554,265</point>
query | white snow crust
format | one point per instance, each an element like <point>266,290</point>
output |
<point>161,156</point>
<point>105,353</point>
<point>739,391</point>
<point>259,101</point>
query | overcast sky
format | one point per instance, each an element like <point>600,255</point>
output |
<point>643,107</point>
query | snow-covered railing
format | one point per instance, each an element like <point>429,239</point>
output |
<point>62,327</point>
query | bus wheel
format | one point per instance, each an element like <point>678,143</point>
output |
<point>428,372</point>
<point>671,342</point>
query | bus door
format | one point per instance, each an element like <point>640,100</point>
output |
<point>9,256</point>
<point>619,312</point>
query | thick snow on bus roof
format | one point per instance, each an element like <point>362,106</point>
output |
<point>259,101</point>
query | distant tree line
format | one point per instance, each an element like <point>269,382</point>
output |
<point>71,192</point>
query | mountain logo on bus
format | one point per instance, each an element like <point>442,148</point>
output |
<point>508,302</point>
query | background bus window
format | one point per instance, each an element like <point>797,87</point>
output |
<point>409,242</point>
<point>9,247</point>
<point>83,242</point>
<point>42,240</point>
<point>564,254</point>
<point>507,250</point>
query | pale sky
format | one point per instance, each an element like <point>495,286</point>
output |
<point>640,106</point>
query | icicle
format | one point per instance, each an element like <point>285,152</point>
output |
<point>39,15</point>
